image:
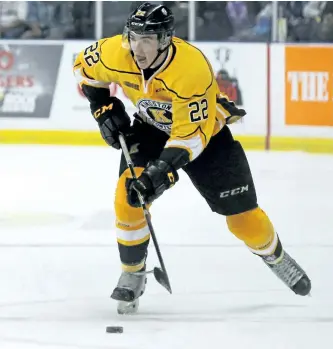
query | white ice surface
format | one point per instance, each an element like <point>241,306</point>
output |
<point>59,260</point>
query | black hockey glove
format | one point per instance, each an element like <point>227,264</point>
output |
<point>112,119</point>
<point>230,107</point>
<point>157,177</point>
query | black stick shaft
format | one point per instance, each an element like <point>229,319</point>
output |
<point>144,207</point>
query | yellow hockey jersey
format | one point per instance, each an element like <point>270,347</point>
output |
<point>179,98</point>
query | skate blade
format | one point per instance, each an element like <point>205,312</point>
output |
<point>123,294</point>
<point>128,308</point>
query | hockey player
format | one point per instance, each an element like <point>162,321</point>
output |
<point>181,123</point>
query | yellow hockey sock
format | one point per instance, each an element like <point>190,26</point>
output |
<point>255,229</point>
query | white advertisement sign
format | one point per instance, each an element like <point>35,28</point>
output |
<point>71,108</point>
<point>244,82</point>
<point>28,75</point>
<point>241,71</point>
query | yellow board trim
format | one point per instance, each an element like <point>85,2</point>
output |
<point>313,145</point>
<point>51,137</point>
<point>93,138</point>
<point>251,142</point>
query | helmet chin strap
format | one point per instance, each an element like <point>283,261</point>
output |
<point>159,52</point>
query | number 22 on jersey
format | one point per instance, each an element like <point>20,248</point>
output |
<point>198,110</point>
<point>90,55</point>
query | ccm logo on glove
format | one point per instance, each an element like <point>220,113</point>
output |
<point>102,110</point>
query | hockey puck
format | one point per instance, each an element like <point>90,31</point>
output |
<point>114,329</point>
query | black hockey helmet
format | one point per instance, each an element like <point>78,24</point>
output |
<point>150,19</point>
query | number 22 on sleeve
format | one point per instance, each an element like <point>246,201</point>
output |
<point>90,56</point>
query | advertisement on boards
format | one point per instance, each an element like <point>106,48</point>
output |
<point>309,85</point>
<point>241,73</point>
<point>71,108</point>
<point>28,75</point>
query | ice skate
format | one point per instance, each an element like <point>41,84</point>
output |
<point>130,287</point>
<point>287,270</point>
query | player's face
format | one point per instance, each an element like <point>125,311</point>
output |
<point>145,49</point>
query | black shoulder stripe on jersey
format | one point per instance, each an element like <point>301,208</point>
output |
<point>77,65</point>
<point>104,42</point>
<point>118,71</point>
<point>180,97</point>
<point>209,65</point>
<point>210,69</point>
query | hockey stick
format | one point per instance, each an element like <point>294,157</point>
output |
<point>160,274</point>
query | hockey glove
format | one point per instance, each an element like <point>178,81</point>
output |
<point>157,177</point>
<point>230,107</point>
<point>112,119</point>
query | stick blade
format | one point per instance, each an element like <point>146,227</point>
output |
<point>162,278</point>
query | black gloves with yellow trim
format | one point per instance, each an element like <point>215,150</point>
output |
<point>112,119</point>
<point>230,107</point>
<point>157,177</point>
<point>109,113</point>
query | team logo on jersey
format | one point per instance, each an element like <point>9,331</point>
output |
<point>157,113</point>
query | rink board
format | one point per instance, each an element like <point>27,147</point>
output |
<point>288,96</point>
